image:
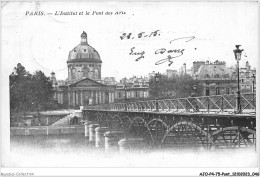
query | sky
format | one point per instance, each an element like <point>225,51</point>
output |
<point>43,42</point>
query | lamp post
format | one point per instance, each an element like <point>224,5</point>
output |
<point>193,94</point>
<point>238,53</point>
<point>156,77</point>
<point>125,97</point>
<point>253,80</point>
<point>194,90</point>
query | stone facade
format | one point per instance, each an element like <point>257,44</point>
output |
<point>83,86</point>
<point>132,89</point>
<point>217,79</point>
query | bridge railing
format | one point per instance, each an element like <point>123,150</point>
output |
<point>216,103</point>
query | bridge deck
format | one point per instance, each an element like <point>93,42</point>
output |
<point>199,114</point>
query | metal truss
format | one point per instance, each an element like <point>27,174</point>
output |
<point>204,104</point>
<point>181,131</point>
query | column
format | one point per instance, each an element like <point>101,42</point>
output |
<point>73,95</point>
<point>109,97</point>
<point>61,98</point>
<point>113,97</point>
<point>58,97</point>
<point>93,97</point>
<point>101,97</point>
<point>69,98</point>
<point>97,97</point>
<point>77,97</point>
<point>104,96</point>
<point>81,97</point>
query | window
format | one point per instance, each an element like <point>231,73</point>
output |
<point>226,76</point>
<point>136,94</point>
<point>227,90</point>
<point>119,94</point>
<point>85,50</point>
<point>216,76</point>
<point>217,91</point>
<point>75,50</point>
<point>206,76</point>
<point>207,91</point>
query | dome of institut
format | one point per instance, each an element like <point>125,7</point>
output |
<point>83,52</point>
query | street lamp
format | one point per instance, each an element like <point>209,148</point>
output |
<point>238,53</point>
<point>193,94</point>
<point>156,77</point>
<point>194,90</point>
<point>125,97</point>
<point>253,80</point>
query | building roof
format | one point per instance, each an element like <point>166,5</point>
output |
<point>213,70</point>
<point>84,52</point>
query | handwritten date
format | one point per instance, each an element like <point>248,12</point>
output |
<point>140,35</point>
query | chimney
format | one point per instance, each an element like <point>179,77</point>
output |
<point>184,68</point>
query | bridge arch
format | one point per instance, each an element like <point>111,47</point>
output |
<point>115,122</point>
<point>125,122</point>
<point>187,135</point>
<point>157,128</point>
<point>138,127</point>
<point>234,137</point>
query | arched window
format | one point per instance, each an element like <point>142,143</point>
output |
<point>73,73</point>
<point>216,76</point>
<point>217,91</point>
<point>96,73</point>
<point>226,76</point>
<point>85,71</point>
<point>206,76</point>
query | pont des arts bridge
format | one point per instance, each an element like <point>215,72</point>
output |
<point>208,122</point>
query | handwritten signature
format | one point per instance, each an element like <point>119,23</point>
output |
<point>140,54</point>
<point>173,53</point>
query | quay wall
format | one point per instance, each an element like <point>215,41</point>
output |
<point>47,130</point>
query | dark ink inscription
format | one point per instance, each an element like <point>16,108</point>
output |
<point>140,35</point>
<point>188,39</point>
<point>140,54</point>
<point>174,53</point>
<point>168,53</point>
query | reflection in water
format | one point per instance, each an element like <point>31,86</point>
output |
<point>76,151</point>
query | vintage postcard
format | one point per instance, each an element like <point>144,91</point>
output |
<point>129,88</point>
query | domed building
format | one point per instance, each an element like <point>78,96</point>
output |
<point>84,61</point>
<point>83,86</point>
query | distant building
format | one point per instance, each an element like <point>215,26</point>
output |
<point>246,78</point>
<point>217,79</point>
<point>170,72</point>
<point>109,81</point>
<point>132,89</point>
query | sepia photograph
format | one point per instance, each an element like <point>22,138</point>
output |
<point>129,88</point>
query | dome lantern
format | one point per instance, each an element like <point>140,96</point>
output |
<point>84,38</point>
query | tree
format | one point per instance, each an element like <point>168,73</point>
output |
<point>42,90</point>
<point>177,86</point>
<point>29,92</point>
<point>20,93</point>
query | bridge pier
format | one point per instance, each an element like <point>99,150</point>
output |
<point>86,124</point>
<point>100,135</point>
<point>126,145</point>
<point>92,132</point>
<point>112,138</point>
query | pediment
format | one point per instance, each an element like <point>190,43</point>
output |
<point>86,82</point>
